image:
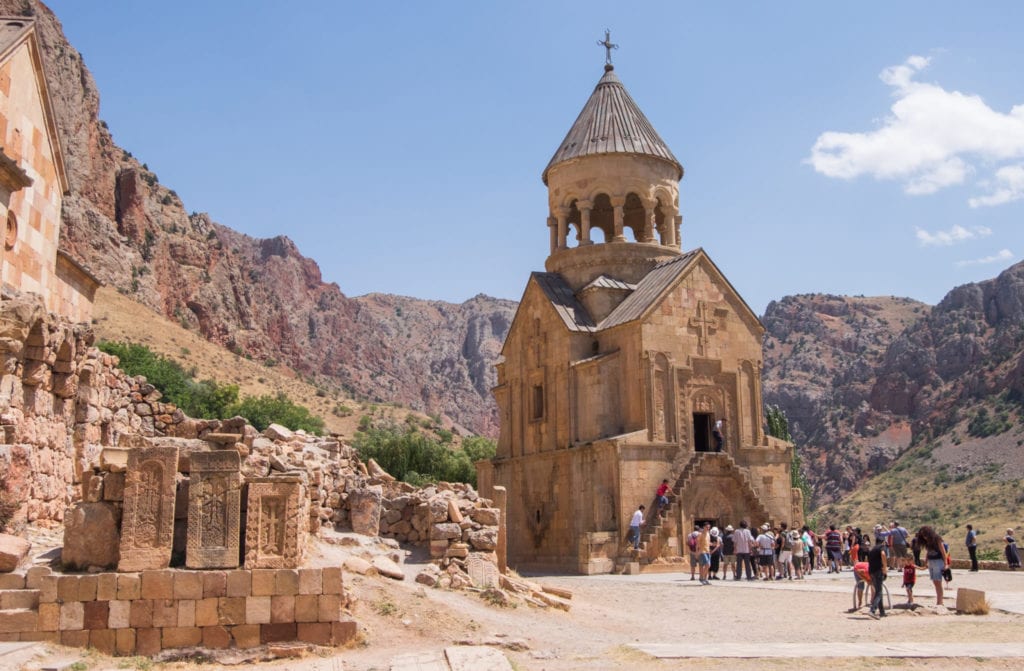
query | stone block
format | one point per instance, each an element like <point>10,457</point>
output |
<point>239,583</point>
<point>95,614</point>
<point>188,585</point>
<point>311,581</point>
<point>246,635</point>
<point>16,621</point>
<point>147,642</point>
<point>216,637</point>
<point>970,600</point>
<point>147,523</point>
<point>157,585</point>
<point>214,584</point>
<point>36,575</point>
<point>106,587</point>
<point>103,640</point>
<point>277,522</point>
<point>113,487</point>
<point>165,613</point>
<point>92,487</point>
<point>141,616</point>
<point>87,586</point>
<point>317,633</point>
<point>12,581</point>
<point>48,589</point>
<point>186,613</point>
<point>181,637</point>
<point>257,610</point>
<point>332,580</point>
<point>364,510</point>
<point>120,614</point>
<point>231,610</point>
<point>124,642</point>
<point>343,631</point>
<point>114,459</point>
<point>438,548</point>
<point>282,608</point>
<point>78,638</point>
<point>72,616</point>
<point>49,616</point>
<point>13,599</point>
<point>286,582</point>
<point>276,633</point>
<point>264,581</point>
<point>90,536</point>
<point>206,613</point>
<point>329,607</point>
<point>67,588</point>
<point>13,549</point>
<point>307,608</point>
<point>214,504</point>
<point>454,514</point>
<point>129,586</point>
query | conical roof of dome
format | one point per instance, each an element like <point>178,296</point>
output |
<point>611,123</point>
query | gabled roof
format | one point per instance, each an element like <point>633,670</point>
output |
<point>14,31</point>
<point>572,312</point>
<point>605,282</point>
<point>611,123</point>
<point>649,289</point>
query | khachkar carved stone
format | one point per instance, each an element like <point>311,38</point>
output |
<point>147,526</point>
<point>276,522</point>
<point>214,503</point>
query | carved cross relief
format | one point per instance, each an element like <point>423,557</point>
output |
<point>703,323</point>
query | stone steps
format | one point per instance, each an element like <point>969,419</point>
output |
<point>16,599</point>
<point>17,620</point>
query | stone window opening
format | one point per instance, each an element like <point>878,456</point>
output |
<point>602,217</point>
<point>703,441</point>
<point>575,224</point>
<point>537,402</point>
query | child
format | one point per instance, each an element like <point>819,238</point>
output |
<point>909,578</point>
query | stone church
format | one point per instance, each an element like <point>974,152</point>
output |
<point>619,361</point>
<point>33,181</point>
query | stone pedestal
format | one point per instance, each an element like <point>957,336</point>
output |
<point>214,503</point>
<point>147,523</point>
<point>276,522</point>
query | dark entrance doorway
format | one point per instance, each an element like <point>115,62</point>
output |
<point>702,439</point>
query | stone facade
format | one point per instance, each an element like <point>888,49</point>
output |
<point>33,182</point>
<point>621,358</point>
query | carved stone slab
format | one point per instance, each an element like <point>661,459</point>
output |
<point>276,523</point>
<point>147,525</point>
<point>214,504</point>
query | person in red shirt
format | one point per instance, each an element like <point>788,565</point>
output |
<point>909,577</point>
<point>662,497</point>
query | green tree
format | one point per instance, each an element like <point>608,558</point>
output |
<point>262,411</point>
<point>415,458</point>
<point>778,427</point>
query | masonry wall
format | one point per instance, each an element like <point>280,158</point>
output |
<point>143,613</point>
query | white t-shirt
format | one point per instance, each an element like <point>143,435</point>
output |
<point>638,519</point>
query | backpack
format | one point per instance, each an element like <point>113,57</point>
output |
<point>691,541</point>
<point>786,541</point>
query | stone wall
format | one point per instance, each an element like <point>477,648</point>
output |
<point>143,613</point>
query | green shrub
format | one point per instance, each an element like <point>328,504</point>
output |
<point>417,459</point>
<point>262,411</point>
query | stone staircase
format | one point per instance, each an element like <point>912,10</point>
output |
<point>19,608</point>
<point>663,539</point>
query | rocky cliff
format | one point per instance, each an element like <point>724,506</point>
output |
<point>262,298</point>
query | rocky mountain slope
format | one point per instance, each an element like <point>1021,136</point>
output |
<point>259,298</point>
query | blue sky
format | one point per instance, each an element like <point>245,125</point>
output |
<point>852,148</point>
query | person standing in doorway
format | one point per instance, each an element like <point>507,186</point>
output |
<point>719,433</point>
<point>972,547</point>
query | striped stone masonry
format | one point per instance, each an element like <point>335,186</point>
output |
<point>143,613</point>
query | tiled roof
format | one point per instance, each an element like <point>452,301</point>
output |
<point>573,314</point>
<point>611,123</point>
<point>648,290</point>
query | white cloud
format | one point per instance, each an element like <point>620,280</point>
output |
<point>954,235</point>
<point>1010,180</point>
<point>1001,255</point>
<point>928,140</point>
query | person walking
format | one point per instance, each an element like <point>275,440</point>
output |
<point>877,566</point>
<point>635,524</point>
<point>704,552</point>
<point>936,556</point>
<point>972,547</point>
<point>834,548</point>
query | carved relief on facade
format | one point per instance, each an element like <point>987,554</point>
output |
<point>276,524</point>
<point>147,527</point>
<point>214,502</point>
